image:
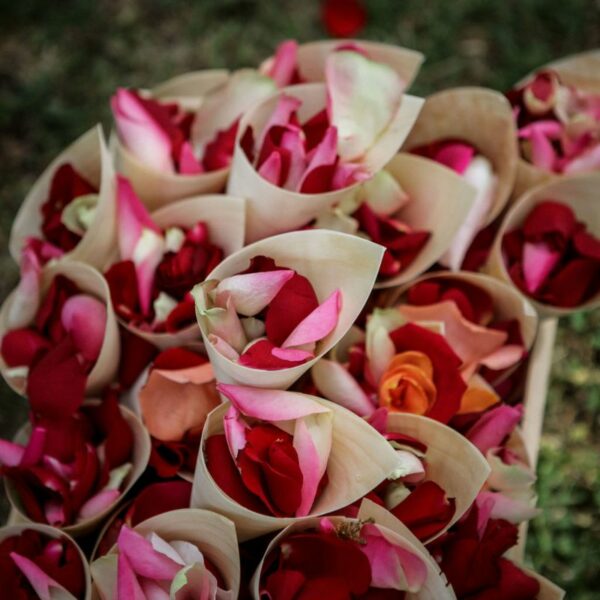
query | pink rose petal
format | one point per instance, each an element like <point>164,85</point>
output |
<point>318,324</point>
<point>538,262</point>
<point>293,142</point>
<point>292,354</point>
<point>222,347</point>
<point>493,427</point>
<point>271,168</point>
<point>188,163</point>
<point>235,431</point>
<point>40,582</point>
<point>456,156</point>
<point>281,68</point>
<point>504,507</point>
<point>127,583</point>
<point>270,405</point>
<point>325,154</point>
<point>98,503</point>
<point>84,318</point>
<point>286,107</point>
<point>543,154</point>
<point>10,454</point>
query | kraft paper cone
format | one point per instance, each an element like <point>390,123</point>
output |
<point>439,203</point>
<point>213,534</point>
<point>90,157</point>
<point>312,58</point>
<point>360,459</point>
<point>435,586</point>
<point>53,533</point>
<point>141,455</point>
<point>451,461</point>
<point>580,192</point>
<point>329,260</point>
<point>480,117</point>
<point>89,281</point>
<point>581,71</point>
<point>190,87</point>
<point>508,303</point>
<point>156,188</point>
<point>224,216</point>
<point>271,209</point>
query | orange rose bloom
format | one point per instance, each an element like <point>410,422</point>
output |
<point>407,384</point>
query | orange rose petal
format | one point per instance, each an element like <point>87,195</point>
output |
<point>418,359</point>
<point>478,397</point>
<point>170,409</point>
<point>198,374</point>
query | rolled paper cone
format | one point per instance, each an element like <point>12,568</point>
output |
<point>90,157</point>
<point>548,590</point>
<point>313,55</point>
<point>439,203</point>
<point>271,209</point>
<point>580,193</point>
<point>329,260</point>
<point>435,586</point>
<point>91,282</point>
<point>189,88</point>
<point>157,188</point>
<point>139,460</point>
<point>360,460</point>
<point>224,216</point>
<point>451,461</point>
<point>52,533</point>
<point>508,303</point>
<point>581,71</point>
<point>481,117</point>
<point>213,534</point>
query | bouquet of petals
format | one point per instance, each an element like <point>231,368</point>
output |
<point>253,365</point>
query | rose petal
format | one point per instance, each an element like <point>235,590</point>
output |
<point>283,66</point>
<point>235,431</point>
<point>188,163</point>
<point>538,261</point>
<point>98,504</point>
<point>507,508</point>
<point>127,583</point>
<point>494,426</point>
<point>263,354</point>
<point>84,318</point>
<point>26,299</point>
<point>20,347</point>
<point>44,586</point>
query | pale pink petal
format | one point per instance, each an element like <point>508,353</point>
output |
<point>504,357</point>
<point>98,503</point>
<point>493,427</point>
<point>143,558</point>
<point>363,96</point>
<point>271,168</point>
<point>484,515</point>
<point>252,292</point>
<point>410,469</point>
<point>538,261</point>
<point>153,591</point>
<point>543,154</point>
<point>133,217</point>
<point>282,66</point>
<point>470,342</point>
<point>457,156</point>
<point>335,383</point>
<point>224,323</point>
<point>26,300</point>
<point>197,375</point>
<point>292,354</point>
<point>270,405</point>
<point>312,442</point>
<point>40,582</point>
<point>323,155</point>
<point>10,454</point>
<point>318,324</point>
<point>550,129</point>
<point>347,174</point>
<point>84,318</point>
<point>148,254</point>
<point>292,141</point>
<point>127,583</point>
<point>286,107</point>
<point>235,431</point>
<point>588,161</point>
<point>54,511</point>
<point>392,567</point>
<point>140,133</point>
<point>222,347</point>
<point>504,507</point>
<point>188,163</point>
<point>326,526</point>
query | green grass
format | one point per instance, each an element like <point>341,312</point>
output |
<point>59,63</point>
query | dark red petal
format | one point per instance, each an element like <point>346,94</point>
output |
<point>178,358</point>
<point>446,364</point>
<point>182,316</point>
<point>122,281</point>
<point>158,498</point>
<point>587,245</point>
<point>426,511</point>
<point>20,347</point>
<point>259,356</point>
<point>318,180</point>
<point>513,584</point>
<point>283,585</point>
<point>225,474</point>
<point>574,284</point>
<point>136,355</point>
<point>550,221</point>
<point>49,316</point>
<point>343,18</point>
<point>480,248</point>
<point>56,382</point>
<point>219,151</point>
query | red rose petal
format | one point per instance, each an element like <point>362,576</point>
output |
<point>122,281</point>
<point>136,355</point>
<point>158,498</point>
<point>550,221</point>
<point>343,18</point>
<point>587,245</point>
<point>20,347</point>
<point>259,355</point>
<point>575,283</point>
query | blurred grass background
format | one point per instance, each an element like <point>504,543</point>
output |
<point>60,62</point>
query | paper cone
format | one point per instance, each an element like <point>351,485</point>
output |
<point>90,157</point>
<point>312,57</point>
<point>190,87</point>
<point>548,590</point>
<point>224,216</point>
<point>480,117</point>
<point>271,209</point>
<point>53,533</point>
<point>581,71</point>
<point>435,586</point>
<point>580,192</point>
<point>89,281</point>
<point>329,260</point>
<point>360,460</point>
<point>508,303</point>
<point>156,188</point>
<point>439,203</point>
<point>139,460</point>
<point>451,460</point>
